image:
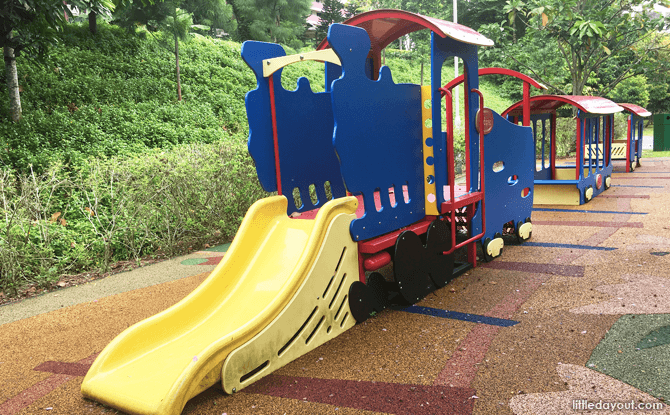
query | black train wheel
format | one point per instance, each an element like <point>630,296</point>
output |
<point>438,240</point>
<point>409,269</point>
<point>379,291</point>
<point>360,301</point>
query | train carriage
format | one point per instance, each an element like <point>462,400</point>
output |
<point>630,149</point>
<point>564,183</point>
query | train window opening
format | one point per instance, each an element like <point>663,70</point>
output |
<point>297,200</point>
<point>312,194</point>
<point>392,199</point>
<point>328,190</point>
<point>405,192</point>
<point>541,135</point>
<point>498,166</point>
<point>378,200</point>
<point>291,73</point>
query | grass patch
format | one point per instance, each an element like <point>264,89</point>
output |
<point>650,153</point>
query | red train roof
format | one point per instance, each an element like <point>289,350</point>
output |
<point>636,109</point>
<point>549,103</point>
<point>386,25</point>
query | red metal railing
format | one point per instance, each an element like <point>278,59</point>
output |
<point>451,174</point>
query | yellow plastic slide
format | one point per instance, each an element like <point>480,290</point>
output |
<point>280,291</point>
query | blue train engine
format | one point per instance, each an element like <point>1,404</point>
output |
<point>384,143</point>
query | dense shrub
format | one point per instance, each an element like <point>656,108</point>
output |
<point>118,208</point>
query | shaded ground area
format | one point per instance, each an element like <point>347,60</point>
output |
<point>580,315</point>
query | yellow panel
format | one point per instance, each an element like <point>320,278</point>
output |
<point>428,170</point>
<point>270,66</point>
<point>157,365</point>
<point>619,150</point>
<point>553,194</point>
<point>565,174</point>
<point>326,316</point>
<point>599,149</point>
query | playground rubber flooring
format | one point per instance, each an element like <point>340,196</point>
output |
<point>578,316</point>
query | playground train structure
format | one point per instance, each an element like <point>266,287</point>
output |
<point>365,180</point>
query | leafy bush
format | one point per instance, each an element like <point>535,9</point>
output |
<point>108,209</point>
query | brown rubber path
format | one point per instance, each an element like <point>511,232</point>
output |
<point>546,327</point>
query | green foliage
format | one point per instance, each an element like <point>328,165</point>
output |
<point>280,21</point>
<point>331,13</point>
<point>157,203</point>
<point>634,90</point>
<point>108,94</point>
<point>588,33</point>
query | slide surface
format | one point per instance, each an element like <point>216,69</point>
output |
<point>157,365</point>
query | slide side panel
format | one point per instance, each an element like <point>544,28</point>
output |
<point>155,366</point>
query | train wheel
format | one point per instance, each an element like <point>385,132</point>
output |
<point>492,248</point>
<point>438,240</point>
<point>588,193</point>
<point>524,230</point>
<point>360,301</point>
<point>379,291</point>
<point>409,270</point>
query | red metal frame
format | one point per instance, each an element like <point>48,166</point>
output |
<point>403,22</point>
<point>527,82</point>
<point>549,103</point>
<point>472,197</point>
<point>275,138</point>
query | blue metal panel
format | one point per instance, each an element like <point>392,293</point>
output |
<point>377,137</point>
<point>257,102</point>
<point>514,146</point>
<point>304,130</point>
<point>441,50</point>
<point>590,125</point>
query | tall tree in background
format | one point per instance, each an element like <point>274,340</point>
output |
<point>27,26</point>
<point>170,17</point>
<point>94,8</point>
<point>332,13</point>
<point>588,34</point>
<point>271,20</point>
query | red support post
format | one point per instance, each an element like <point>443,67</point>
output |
<point>526,105</point>
<point>274,131</point>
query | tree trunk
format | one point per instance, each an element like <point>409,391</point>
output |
<point>12,84</point>
<point>176,53</point>
<point>92,22</point>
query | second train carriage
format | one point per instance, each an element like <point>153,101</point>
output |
<point>564,183</point>
<point>630,149</point>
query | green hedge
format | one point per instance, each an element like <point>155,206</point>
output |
<point>119,208</point>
